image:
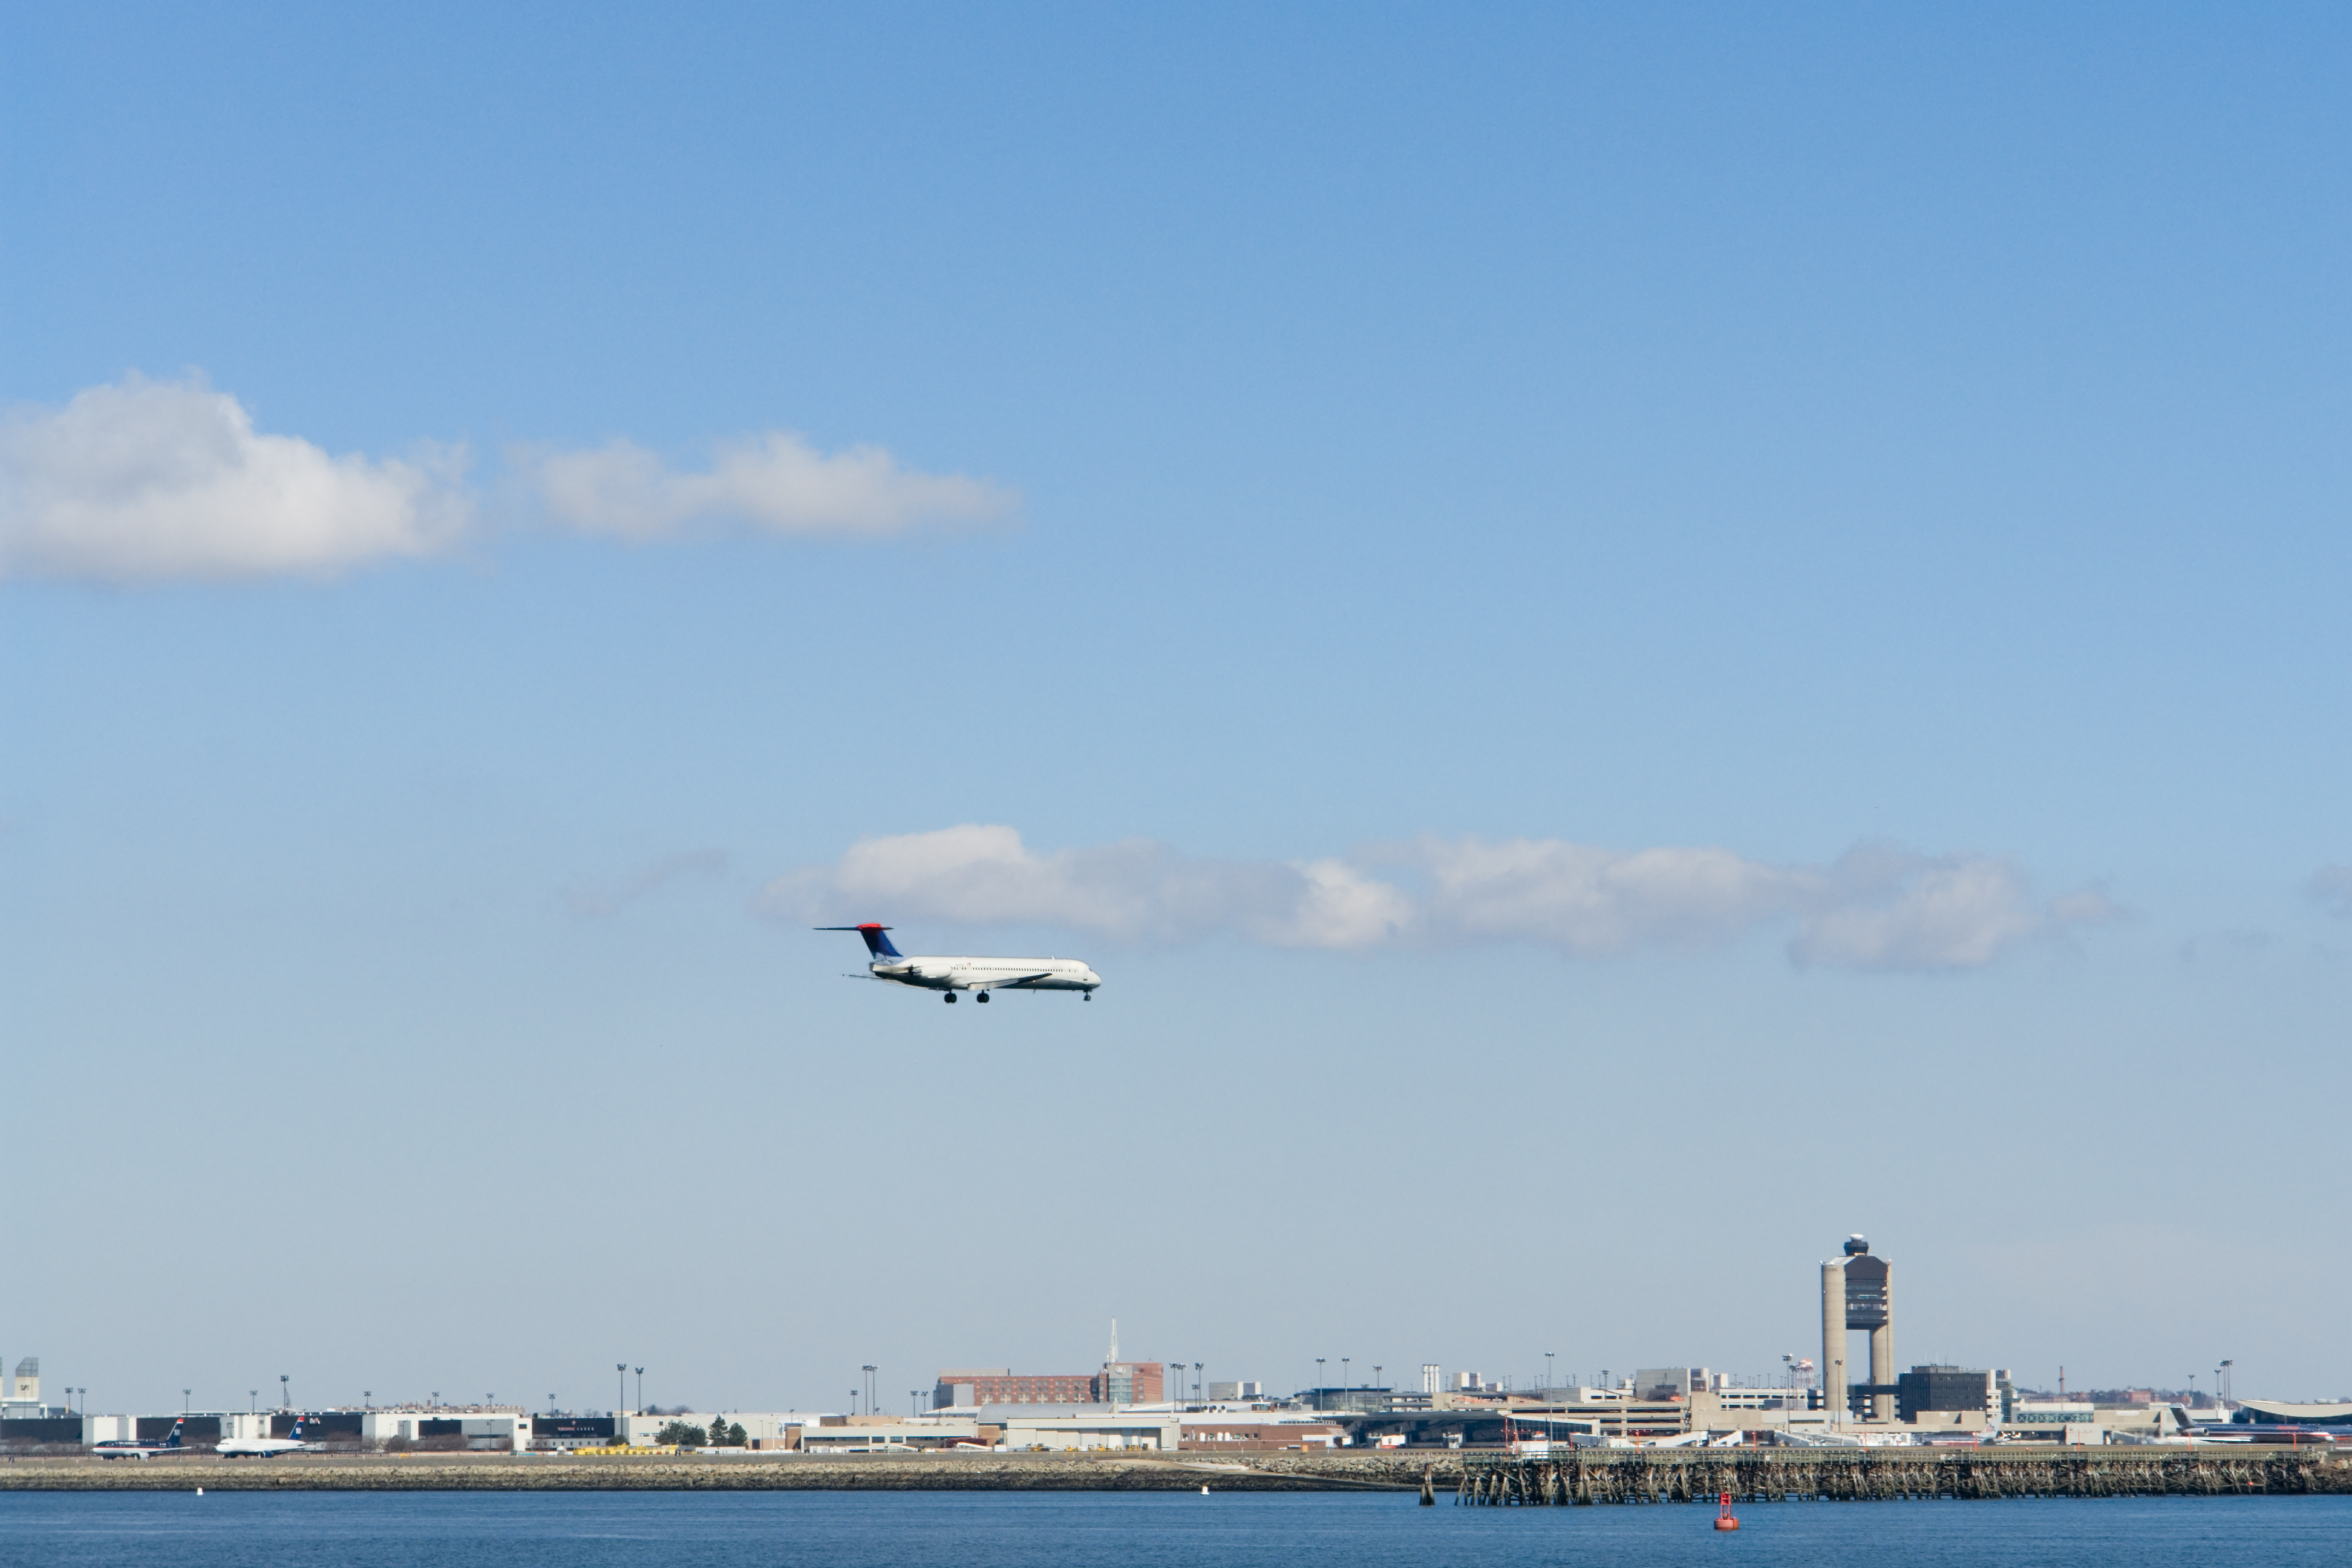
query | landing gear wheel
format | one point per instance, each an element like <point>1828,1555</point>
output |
<point>1090,996</point>
<point>948,998</point>
<point>981,997</point>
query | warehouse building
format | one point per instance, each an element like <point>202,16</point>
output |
<point>1107,1429</point>
<point>891,1437</point>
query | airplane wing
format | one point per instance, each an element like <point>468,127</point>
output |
<point>1019,979</point>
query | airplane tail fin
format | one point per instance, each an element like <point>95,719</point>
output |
<point>877,943</point>
<point>174,1440</point>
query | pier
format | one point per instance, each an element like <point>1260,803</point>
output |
<point>1894,1475</point>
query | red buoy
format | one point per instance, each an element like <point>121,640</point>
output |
<point>1724,1518</point>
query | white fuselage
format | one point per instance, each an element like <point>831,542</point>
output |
<point>258,1447</point>
<point>987,973</point>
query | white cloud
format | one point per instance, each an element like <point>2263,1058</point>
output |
<point>143,479</point>
<point>1875,908</point>
<point>1881,908</point>
<point>1133,891</point>
<point>1587,900</point>
<point>776,482</point>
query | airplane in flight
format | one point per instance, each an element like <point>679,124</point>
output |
<point>263,1447</point>
<point>140,1448</point>
<point>980,974</point>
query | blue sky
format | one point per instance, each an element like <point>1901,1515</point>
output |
<point>1655,633</point>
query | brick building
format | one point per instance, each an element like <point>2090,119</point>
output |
<point>1118,1383</point>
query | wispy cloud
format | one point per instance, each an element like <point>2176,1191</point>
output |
<point>593,902</point>
<point>142,480</point>
<point>2332,887</point>
<point>1877,907</point>
<point>774,483</point>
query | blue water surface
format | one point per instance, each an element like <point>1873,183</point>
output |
<point>1071,1530</point>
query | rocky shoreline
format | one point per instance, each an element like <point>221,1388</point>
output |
<point>1762,1474</point>
<point>671,1472</point>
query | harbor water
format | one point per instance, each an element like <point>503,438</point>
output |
<point>1077,1529</point>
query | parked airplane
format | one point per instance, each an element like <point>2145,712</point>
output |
<point>140,1448</point>
<point>263,1447</point>
<point>982,974</point>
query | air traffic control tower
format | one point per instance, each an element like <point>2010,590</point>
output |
<point>1854,1296</point>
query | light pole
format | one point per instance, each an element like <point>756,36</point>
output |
<point>1376,1375</point>
<point>253,1402</point>
<point>1343,1374</point>
<point>2227,1380</point>
<point>1197,1392</point>
<point>868,1370</point>
<point>368,1395</point>
<point>185,1395</point>
<point>622,1397</point>
<point>1547,1383</point>
<point>285,1395</point>
<point>641,1391</point>
<point>1318,1383</point>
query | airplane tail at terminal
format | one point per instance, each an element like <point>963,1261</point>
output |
<point>877,943</point>
<point>141,1448</point>
<point>266,1447</point>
